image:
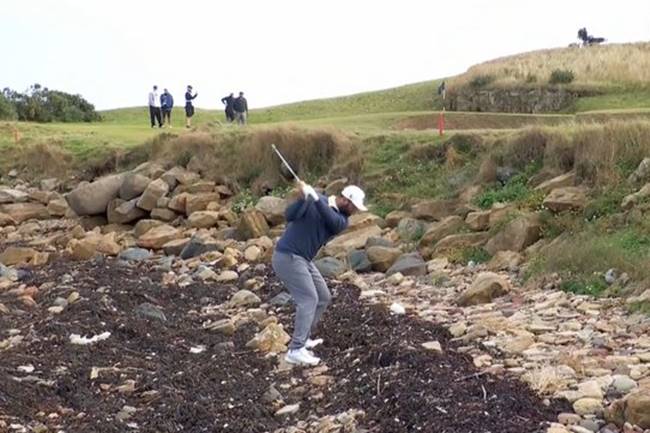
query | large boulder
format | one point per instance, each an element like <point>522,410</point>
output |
<point>562,181</point>
<point>637,410</point>
<point>486,287</point>
<point>124,212</point>
<point>452,243</point>
<point>133,186</point>
<point>94,243</point>
<point>199,202</point>
<point>252,224</point>
<point>634,409</point>
<point>93,198</point>
<point>516,235</point>
<point>341,245</point>
<point>180,175</point>
<point>273,209</point>
<point>20,212</point>
<point>411,229</point>
<point>409,264</point>
<point>382,258</point>
<point>434,210</point>
<point>567,198</point>
<point>155,190</point>
<point>203,219</point>
<point>330,267</point>
<point>158,236</point>
<point>440,229</point>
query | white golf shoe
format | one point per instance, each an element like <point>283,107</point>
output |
<point>301,357</point>
<point>310,344</point>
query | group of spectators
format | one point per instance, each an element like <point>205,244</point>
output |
<point>160,107</point>
<point>236,108</point>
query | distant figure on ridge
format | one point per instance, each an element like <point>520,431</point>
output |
<point>167,103</point>
<point>240,106</point>
<point>189,108</point>
<point>228,101</point>
<point>154,107</point>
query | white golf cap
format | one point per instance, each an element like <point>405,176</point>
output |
<point>355,195</point>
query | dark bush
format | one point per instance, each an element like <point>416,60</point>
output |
<point>481,81</point>
<point>561,76</point>
<point>40,104</point>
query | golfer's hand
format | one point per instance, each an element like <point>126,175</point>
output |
<point>309,191</point>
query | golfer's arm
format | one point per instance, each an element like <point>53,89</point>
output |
<point>296,210</point>
<point>333,220</point>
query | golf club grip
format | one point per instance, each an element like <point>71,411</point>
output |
<point>284,161</point>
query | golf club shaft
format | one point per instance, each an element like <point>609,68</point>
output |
<point>286,164</point>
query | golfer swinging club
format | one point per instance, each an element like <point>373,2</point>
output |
<point>312,221</point>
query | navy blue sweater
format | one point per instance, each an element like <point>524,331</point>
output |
<point>310,225</point>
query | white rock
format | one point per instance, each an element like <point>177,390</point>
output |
<point>396,308</point>
<point>433,346</point>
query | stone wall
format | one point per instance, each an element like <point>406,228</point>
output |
<point>535,100</point>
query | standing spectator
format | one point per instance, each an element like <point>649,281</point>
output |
<point>154,107</point>
<point>167,103</point>
<point>189,108</point>
<point>230,112</point>
<point>240,105</point>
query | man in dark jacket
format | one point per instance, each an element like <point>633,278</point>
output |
<point>311,222</point>
<point>189,108</point>
<point>228,101</point>
<point>240,105</point>
<point>166,104</point>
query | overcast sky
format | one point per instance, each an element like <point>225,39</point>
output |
<point>280,51</point>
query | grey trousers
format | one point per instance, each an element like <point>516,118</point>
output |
<point>308,290</point>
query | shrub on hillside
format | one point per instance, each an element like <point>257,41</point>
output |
<point>40,104</point>
<point>481,80</point>
<point>561,76</point>
<point>7,111</point>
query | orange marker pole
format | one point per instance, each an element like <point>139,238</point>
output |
<point>441,122</point>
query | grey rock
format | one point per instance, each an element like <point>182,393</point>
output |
<point>8,273</point>
<point>374,241</point>
<point>359,262</point>
<point>410,229</point>
<point>623,383</point>
<point>409,264</point>
<point>135,254</point>
<point>134,185</point>
<point>504,174</point>
<point>590,425</point>
<point>165,263</point>
<point>150,311</point>
<point>281,299</point>
<point>93,198</point>
<point>60,302</point>
<point>330,267</point>
<point>610,276</point>
<point>196,247</point>
<point>271,395</point>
